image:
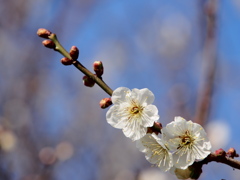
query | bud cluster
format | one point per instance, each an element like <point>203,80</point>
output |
<point>44,33</point>
<point>74,53</point>
<point>50,43</point>
<point>231,153</point>
<point>89,79</point>
<point>98,69</point>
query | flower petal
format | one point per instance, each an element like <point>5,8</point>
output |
<point>149,115</point>
<point>114,119</point>
<point>119,95</point>
<point>183,158</point>
<point>155,151</point>
<point>144,96</point>
<point>134,130</point>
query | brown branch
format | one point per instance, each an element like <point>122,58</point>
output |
<point>99,81</point>
<point>204,98</point>
<point>220,159</point>
<point>53,43</point>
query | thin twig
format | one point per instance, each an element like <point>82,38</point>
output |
<point>79,66</point>
<point>204,98</point>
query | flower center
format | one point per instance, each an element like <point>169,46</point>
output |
<point>186,138</point>
<point>135,110</point>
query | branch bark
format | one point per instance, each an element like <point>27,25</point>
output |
<point>209,65</point>
<point>220,159</point>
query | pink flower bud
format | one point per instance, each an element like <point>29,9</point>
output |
<point>98,68</point>
<point>87,81</point>
<point>74,52</point>
<point>44,33</point>
<point>220,152</point>
<point>65,61</point>
<point>232,153</point>
<point>49,44</point>
<point>106,102</point>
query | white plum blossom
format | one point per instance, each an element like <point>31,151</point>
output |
<point>187,140</point>
<point>132,111</point>
<point>155,151</point>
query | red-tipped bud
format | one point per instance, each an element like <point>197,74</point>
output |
<point>106,102</point>
<point>98,68</point>
<point>44,33</point>
<point>87,81</point>
<point>220,152</point>
<point>232,153</point>
<point>74,52</point>
<point>49,44</point>
<point>65,61</point>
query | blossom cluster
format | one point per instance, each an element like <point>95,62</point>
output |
<point>178,146</point>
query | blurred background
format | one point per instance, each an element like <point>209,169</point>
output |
<point>51,126</point>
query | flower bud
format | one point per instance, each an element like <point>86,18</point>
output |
<point>49,44</point>
<point>106,102</point>
<point>44,33</point>
<point>182,173</point>
<point>190,172</point>
<point>65,61</point>
<point>220,152</point>
<point>87,81</point>
<point>98,68</point>
<point>74,52</point>
<point>232,153</point>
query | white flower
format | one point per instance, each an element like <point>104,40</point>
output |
<point>155,151</point>
<point>132,111</point>
<point>187,140</point>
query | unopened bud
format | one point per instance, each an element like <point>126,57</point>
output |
<point>106,102</point>
<point>182,173</point>
<point>220,152</point>
<point>232,153</point>
<point>98,68</point>
<point>87,81</point>
<point>44,33</point>
<point>49,44</point>
<point>74,52</point>
<point>65,61</point>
